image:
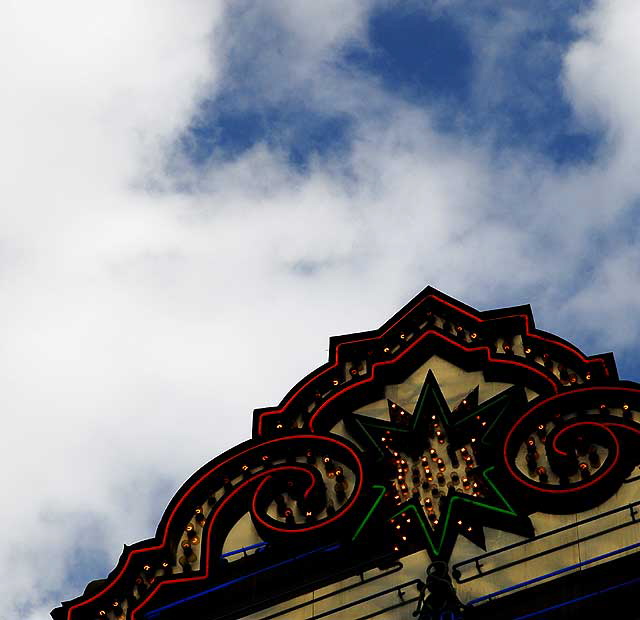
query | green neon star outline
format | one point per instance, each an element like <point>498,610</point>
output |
<point>429,533</point>
<point>429,384</point>
<point>371,510</point>
<point>500,403</point>
<point>430,393</point>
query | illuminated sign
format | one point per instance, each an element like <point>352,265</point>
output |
<point>350,471</point>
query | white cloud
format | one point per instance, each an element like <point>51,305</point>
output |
<point>90,97</point>
<point>602,81</point>
<point>142,324</point>
<point>602,68</point>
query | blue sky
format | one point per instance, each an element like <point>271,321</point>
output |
<point>428,58</point>
<point>198,194</point>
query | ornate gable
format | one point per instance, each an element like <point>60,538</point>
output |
<point>441,423</point>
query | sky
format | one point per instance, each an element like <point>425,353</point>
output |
<point>198,194</point>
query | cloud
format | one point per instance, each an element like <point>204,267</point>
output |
<point>600,69</point>
<point>91,97</point>
<point>150,302</point>
<point>602,81</point>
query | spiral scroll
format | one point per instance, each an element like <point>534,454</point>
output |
<point>301,485</point>
<point>572,451</point>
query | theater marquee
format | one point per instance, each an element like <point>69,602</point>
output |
<point>469,442</point>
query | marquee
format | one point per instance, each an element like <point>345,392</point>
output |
<point>414,440</point>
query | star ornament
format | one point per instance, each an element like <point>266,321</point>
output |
<point>440,469</point>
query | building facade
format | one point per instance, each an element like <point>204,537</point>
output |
<point>450,464</point>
